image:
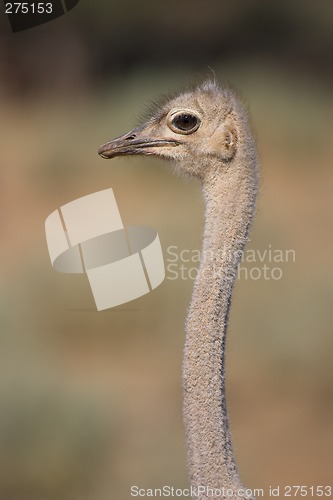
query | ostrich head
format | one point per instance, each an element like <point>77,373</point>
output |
<point>198,129</point>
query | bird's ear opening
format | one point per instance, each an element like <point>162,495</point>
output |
<point>229,138</point>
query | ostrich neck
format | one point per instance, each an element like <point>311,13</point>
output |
<point>230,200</point>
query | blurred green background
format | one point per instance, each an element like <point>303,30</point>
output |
<point>90,402</point>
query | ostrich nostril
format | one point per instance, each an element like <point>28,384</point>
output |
<point>130,137</point>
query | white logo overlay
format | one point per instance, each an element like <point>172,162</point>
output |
<point>87,236</point>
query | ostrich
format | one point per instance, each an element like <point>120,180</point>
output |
<point>206,133</point>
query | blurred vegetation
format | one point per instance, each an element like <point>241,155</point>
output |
<point>95,43</point>
<point>90,403</point>
<point>53,440</point>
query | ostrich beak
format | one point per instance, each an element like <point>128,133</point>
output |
<point>136,142</point>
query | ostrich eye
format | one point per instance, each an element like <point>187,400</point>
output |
<point>184,123</point>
